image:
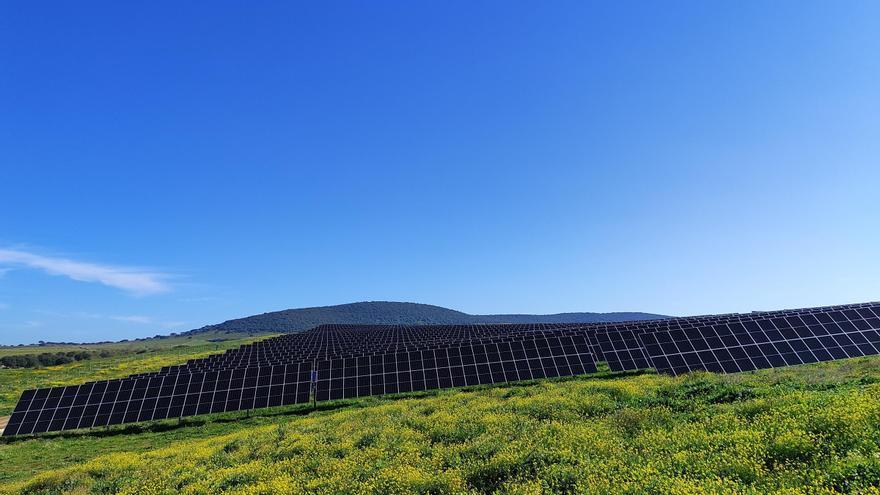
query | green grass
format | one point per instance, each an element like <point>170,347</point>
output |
<point>129,346</point>
<point>133,357</point>
<point>806,429</point>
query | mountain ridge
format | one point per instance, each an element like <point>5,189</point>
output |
<point>393,312</point>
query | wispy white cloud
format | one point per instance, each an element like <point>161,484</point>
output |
<point>145,320</point>
<point>133,280</point>
<point>199,299</point>
<point>135,319</point>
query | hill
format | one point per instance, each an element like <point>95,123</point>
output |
<point>384,312</point>
<point>802,429</point>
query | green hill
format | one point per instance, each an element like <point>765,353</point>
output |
<point>804,429</point>
<point>384,312</point>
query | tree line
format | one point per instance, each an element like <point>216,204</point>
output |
<point>49,358</point>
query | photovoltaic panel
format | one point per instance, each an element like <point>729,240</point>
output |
<point>621,349</point>
<point>160,397</point>
<point>765,342</point>
<point>362,360</point>
<point>485,362</point>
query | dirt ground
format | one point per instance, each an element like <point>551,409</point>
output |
<point>3,421</point>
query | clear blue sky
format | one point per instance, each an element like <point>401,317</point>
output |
<point>166,165</point>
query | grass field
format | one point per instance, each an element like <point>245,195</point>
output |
<point>807,429</point>
<point>132,357</point>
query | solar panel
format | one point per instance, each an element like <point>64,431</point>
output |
<point>160,397</point>
<point>621,349</point>
<point>765,342</point>
<point>365,360</point>
<point>481,363</point>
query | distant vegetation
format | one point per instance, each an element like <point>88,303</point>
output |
<point>49,358</point>
<point>297,320</point>
<point>805,429</point>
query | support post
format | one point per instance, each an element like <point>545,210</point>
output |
<point>314,386</point>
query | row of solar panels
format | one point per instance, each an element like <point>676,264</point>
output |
<point>293,356</point>
<point>186,394</point>
<point>336,342</point>
<point>342,361</point>
<point>329,341</point>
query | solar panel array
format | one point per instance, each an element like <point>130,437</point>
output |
<point>736,343</point>
<point>333,362</point>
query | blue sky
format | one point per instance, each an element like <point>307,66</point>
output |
<point>173,164</point>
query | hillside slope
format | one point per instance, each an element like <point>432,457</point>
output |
<point>804,429</point>
<point>384,312</point>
